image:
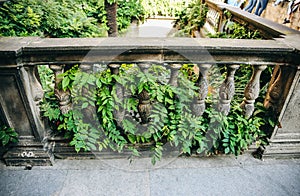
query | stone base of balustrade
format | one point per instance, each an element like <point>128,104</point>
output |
<point>283,148</point>
<point>62,150</point>
<point>28,153</point>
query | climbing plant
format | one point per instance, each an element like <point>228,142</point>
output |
<point>171,120</point>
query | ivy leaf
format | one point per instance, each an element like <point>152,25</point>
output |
<point>227,150</point>
<point>132,138</point>
<point>128,126</point>
<point>91,146</point>
<point>5,140</point>
<point>98,83</point>
<point>65,83</point>
<point>84,105</point>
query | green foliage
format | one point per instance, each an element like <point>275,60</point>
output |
<point>63,18</point>
<point>163,8</point>
<point>52,18</point>
<point>236,31</point>
<point>238,132</point>
<point>171,120</point>
<point>7,136</point>
<point>129,10</point>
<point>191,18</point>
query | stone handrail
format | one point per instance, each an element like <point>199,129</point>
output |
<point>21,91</point>
<point>267,28</point>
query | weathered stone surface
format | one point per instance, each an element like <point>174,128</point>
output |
<point>200,50</point>
<point>285,141</point>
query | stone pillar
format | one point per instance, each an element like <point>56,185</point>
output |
<point>285,140</point>
<point>20,93</point>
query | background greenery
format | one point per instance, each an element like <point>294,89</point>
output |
<point>63,18</point>
<point>191,18</point>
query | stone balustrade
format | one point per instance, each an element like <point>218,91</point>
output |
<point>21,91</point>
<point>216,20</point>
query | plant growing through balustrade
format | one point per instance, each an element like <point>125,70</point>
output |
<point>94,123</point>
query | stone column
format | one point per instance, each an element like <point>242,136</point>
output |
<point>285,140</point>
<point>19,95</point>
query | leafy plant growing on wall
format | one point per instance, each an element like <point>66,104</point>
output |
<point>170,121</point>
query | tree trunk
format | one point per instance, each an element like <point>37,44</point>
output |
<point>111,15</point>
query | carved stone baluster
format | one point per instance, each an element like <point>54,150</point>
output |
<point>144,106</point>
<point>87,68</point>
<point>87,92</point>
<point>63,96</point>
<point>118,114</point>
<point>227,90</point>
<point>174,74</point>
<point>252,90</point>
<point>202,84</point>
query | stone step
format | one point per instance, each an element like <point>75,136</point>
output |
<point>281,149</point>
<point>23,156</point>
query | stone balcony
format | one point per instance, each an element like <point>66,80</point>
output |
<point>21,89</point>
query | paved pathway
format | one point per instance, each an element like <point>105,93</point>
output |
<point>152,28</point>
<point>224,175</point>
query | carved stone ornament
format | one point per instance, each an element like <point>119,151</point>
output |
<point>279,86</point>
<point>63,96</point>
<point>202,84</point>
<point>174,74</point>
<point>252,90</point>
<point>227,90</point>
<point>144,106</point>
<point>118,114</point>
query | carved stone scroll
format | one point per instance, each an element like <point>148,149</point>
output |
<point>174,74</point>
<point>118,114</point>
<point>36,87</point>
<point>279,87</point>
<point>252,90</point>
<point>227,90</point>
<point>202,84</point>
<point>144,106</point>
<point>63,96</point>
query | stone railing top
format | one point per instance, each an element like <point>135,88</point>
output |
<point>269,28</point>
<point>33,50</point>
